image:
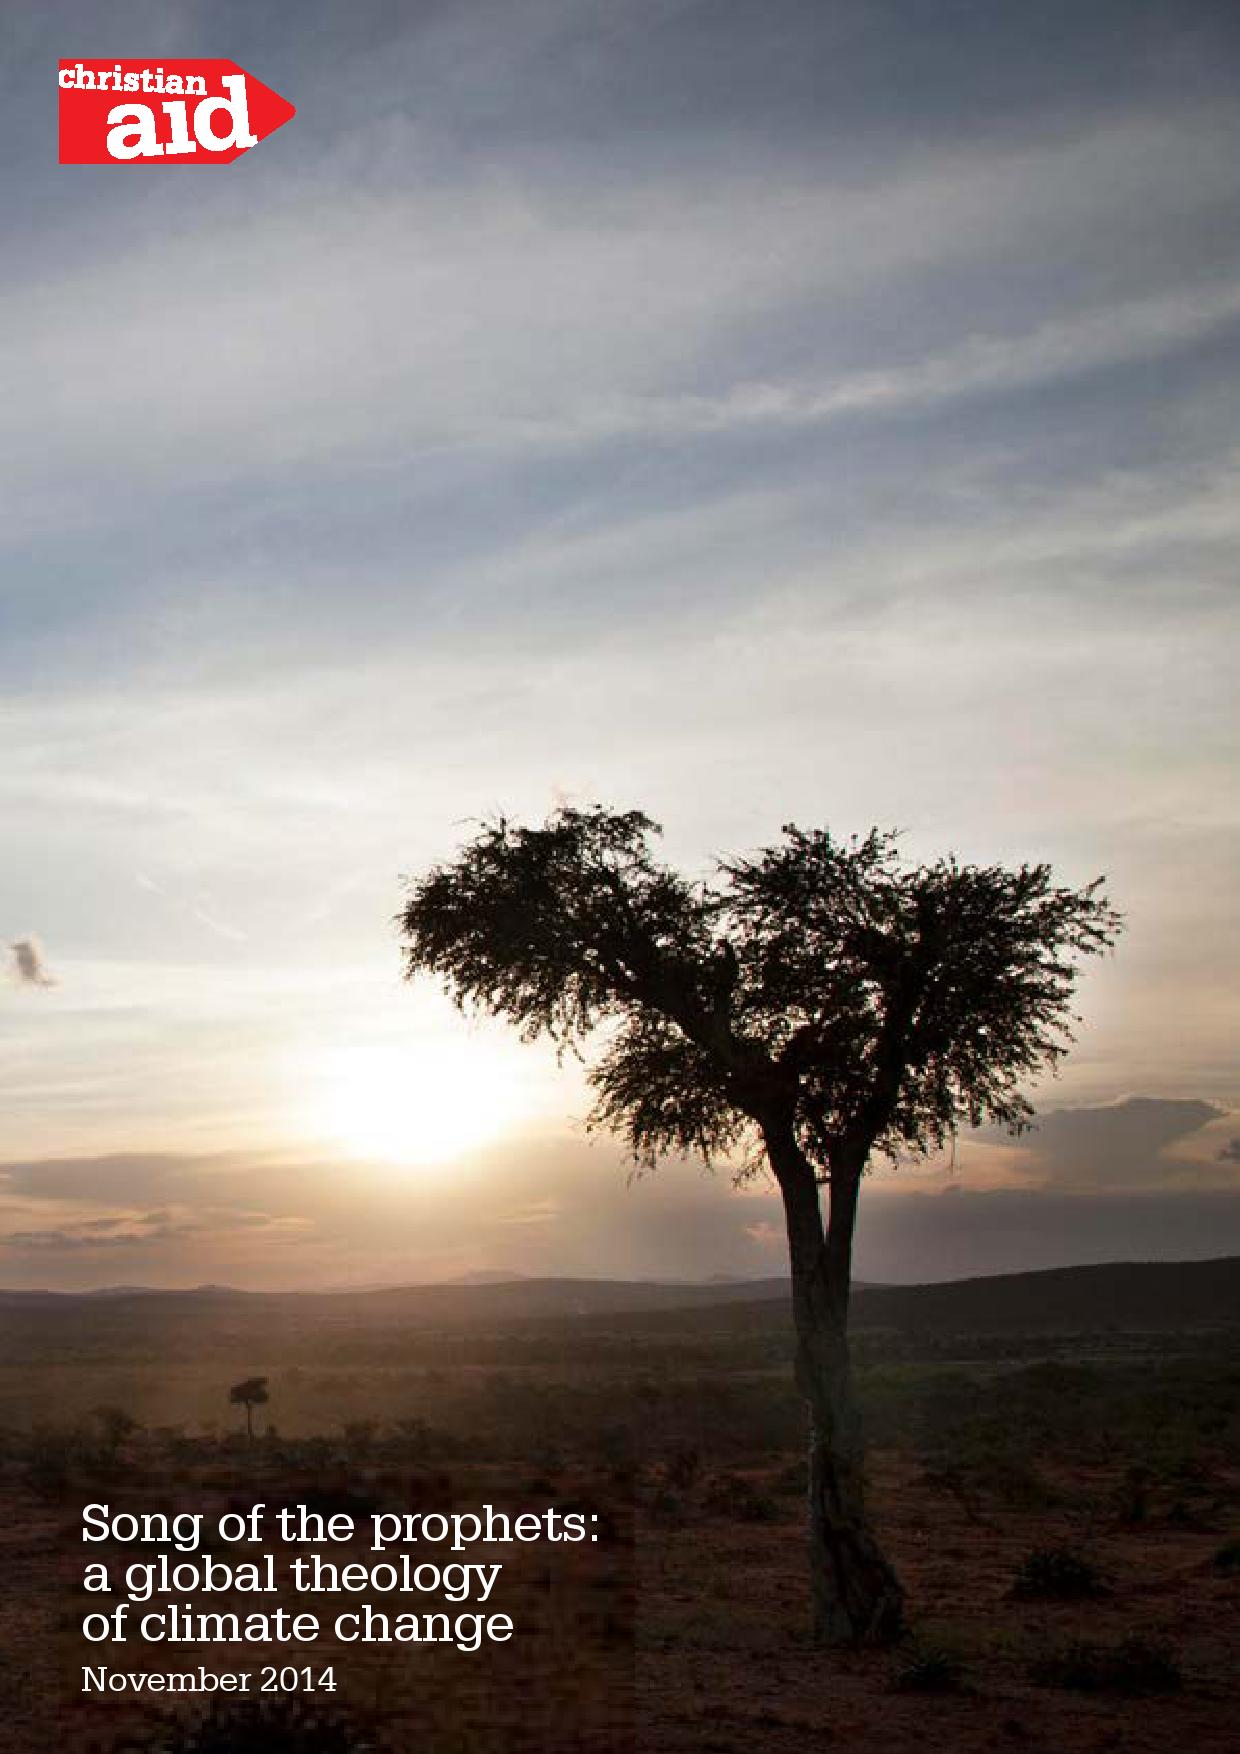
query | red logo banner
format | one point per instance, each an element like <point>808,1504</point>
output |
<point>163,112</point>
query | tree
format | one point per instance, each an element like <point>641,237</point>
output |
<point>249,1394</point>
<point>808,1009</point>
<point>116,1427</point>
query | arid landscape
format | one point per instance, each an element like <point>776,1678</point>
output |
<point>618,749</point>
<point>1055,1468</point>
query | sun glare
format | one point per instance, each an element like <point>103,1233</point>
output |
<point>419,1106</point>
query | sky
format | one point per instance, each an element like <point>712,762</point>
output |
<point>814,410</point>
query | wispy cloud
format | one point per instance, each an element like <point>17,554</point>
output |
<point>658,406</point>
<point>995,364</point>
<point>485,317</point>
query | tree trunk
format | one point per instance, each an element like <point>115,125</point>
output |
<point>857,1598</point>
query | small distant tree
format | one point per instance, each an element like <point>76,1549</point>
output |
<point>116,1427</point>
<point>810,1008</point>
<point>249,1394</point>
<point>360,1435</point>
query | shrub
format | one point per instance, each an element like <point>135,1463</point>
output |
<point>667,1508</point>
<point>929,1670</point>
<point>682,1467</point>
<point>276,1726</point>
<point>1227,1559</point>
<point>732,1495</point>
<point>115,1427</point>
<point>1135,1667</point>
<point>1057,1574</point>
<point>1132,1495</point>
<point>359,1436</point>
<point>58,1455</point>
<point>792,1480</point>
<point>340,1498</point>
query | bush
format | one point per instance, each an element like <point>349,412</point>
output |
<point>929,1670</point>
<point>667,1508</point>
<point>1057,1574</point>
<point>682,1467</point>
<point>1135,1667</point>
<point>1227,1559</point>
<point>1132,1495</point>
<point>792,1480</point>
<point>59,1456</point>
<point>732,1495</point>
<point>276,1726</point>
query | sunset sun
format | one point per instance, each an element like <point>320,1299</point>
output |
<point>417,1106</point>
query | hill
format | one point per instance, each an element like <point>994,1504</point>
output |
<point>39,1328</point>
<point>1127,1295</point>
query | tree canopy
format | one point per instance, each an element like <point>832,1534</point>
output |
<point>821,985</point>
<point>808,1005</point>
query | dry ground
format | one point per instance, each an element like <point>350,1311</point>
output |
<point>724,1667</point>
<point>715,1659</point>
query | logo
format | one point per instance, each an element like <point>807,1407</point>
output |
<point>176,112</point>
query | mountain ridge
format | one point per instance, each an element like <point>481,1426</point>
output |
<point>1093,1294</point>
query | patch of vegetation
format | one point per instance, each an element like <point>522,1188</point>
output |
<point>792,1480</point>
<point>276,1726</point>
<point>1135,1667</point>
<point>1133,1494</point>
<point>734,1496</point>
<point>57,1457</point>
<point>667,1508</point>
<point>1226,1559</point>
<point>1057,1574</point>
<point>929,1669</point>
<point>682,1466</point>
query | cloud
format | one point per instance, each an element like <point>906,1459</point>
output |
<point>199,909</point>
<point>126,1179</point>
<point>140,1232</point>
<point>29,966</point>
<point>981,365</point>
<point>561,1208</point>
<point>1124,1145</point>
<point>553,1206</point>
<point>833,421</point>
<point>479,316</point>
<point>90,1234</point>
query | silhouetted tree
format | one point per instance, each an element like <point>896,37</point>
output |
<point>808,1008</point>
<point>249,1394</point>
<point>116,1427</point>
